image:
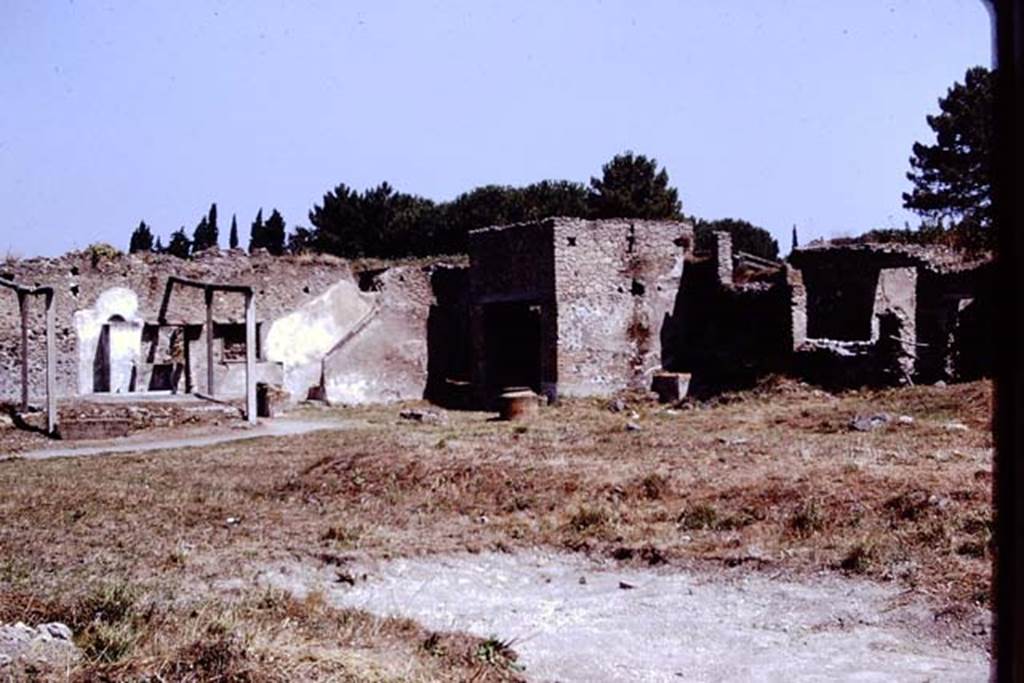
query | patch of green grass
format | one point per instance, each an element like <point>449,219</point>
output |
<point>498,654</point>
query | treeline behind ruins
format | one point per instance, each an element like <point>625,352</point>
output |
<point>382,222</point>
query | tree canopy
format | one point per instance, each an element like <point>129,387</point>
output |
<point>632,186</point>
<point>383,222</point>
<point>141,240</point>
<point>179,245</point>
<point>274,233</point>
<point>745,236</point>
<point>376,222</point>
<point>206,234</point>
<point>952,178</point>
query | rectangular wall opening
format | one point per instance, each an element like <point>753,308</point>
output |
<point>840,305</point>
<point>512,338</point>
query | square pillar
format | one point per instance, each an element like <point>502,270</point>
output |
<point>210,388</point>
<point>250,357</point>
<point>23,307</point>
<point>51,367</point>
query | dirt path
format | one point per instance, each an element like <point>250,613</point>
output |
<point>573,621</point>
<point>189,439</point>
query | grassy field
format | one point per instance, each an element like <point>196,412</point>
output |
<point>134,551</point>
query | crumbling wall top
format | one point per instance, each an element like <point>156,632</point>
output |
<point>936,258</point>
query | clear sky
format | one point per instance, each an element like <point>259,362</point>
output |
<point>778,112</point>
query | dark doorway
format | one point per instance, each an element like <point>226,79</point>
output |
<point>512,338</point>
<point>101,362</point>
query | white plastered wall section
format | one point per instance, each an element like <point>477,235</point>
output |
<point>117,309</point>
<point>302,339</point>
<point>896,293</point>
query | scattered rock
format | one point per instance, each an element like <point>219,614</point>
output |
<point>626,586</point>
<point>733,440</point>
<point>617,406</point>
<point>955,427</point>
<point>55,630</point>
<point>6,421</point>
<point>424,416</point>
<point>583,581</point>
<point>28,653</point>
<point>869,423</point>
<point>905,420</point>
<point>232,521</point>
<point>633,427</point>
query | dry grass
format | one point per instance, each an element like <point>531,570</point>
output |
<point>766,478</point>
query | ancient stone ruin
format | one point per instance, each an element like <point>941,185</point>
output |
<point>563,307</point>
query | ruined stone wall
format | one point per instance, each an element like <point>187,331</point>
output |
<point>728,336</point>
<point>512,267</point>
<point>283,285</point>
<point>924,307</point>
<point>954,321</point>
<point>386,357</point>
<point>616,283</point>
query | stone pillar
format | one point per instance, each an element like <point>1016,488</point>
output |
<point>210,389</point>
<point>894,322</point>
<point>51,367</point>
<point>23,306</point>
<point>723,257</point>
<point>549,352</point>
<point>250,357</point>
<point>797,306</point>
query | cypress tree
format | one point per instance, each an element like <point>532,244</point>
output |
<point>141,240</point>
<point>257,238</point>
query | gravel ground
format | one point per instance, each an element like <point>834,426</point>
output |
<point>571,620</point>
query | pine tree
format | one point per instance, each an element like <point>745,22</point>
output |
<point>141,240</point>
<point>257,238</point>
<point>953,178</point>
<point>233,235</point>
<point>631,186</point>
<point>158,248</point>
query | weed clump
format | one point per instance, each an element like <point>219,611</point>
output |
<point>588,518</point>
<point>807,520</point>
<point>698,518</point>
<point>654,486</point>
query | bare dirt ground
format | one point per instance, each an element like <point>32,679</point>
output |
<point>155,558</point>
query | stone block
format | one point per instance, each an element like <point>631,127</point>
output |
<point>670,386</point>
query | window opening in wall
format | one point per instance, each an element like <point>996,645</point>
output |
<point>571,241</point>
<point>631,239</point>
<point>840,306</point>
<point>232,346</point>
<point>637,288</point>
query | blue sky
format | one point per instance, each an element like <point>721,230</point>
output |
<point>781,113</point>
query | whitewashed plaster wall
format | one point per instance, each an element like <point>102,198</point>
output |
<point>301,339</point>
<point>119,308</point>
